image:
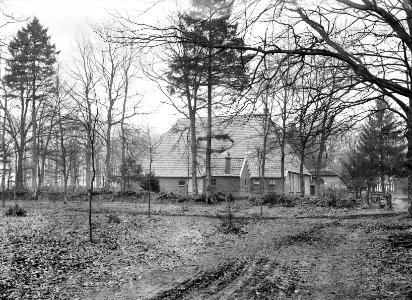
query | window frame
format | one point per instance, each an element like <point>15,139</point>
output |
<point>179,183</point>
<point>213,181</point>
<point>272,181</point>
<point>256,181</point>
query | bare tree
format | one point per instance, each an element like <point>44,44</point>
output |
<point>129,74</point>
<point>83,74</point>
<point>109,66</point>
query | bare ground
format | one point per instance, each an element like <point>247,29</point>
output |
<point>320,255</point>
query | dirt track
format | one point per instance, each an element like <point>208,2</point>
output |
<point>331,260</point>
<point>190,257</point>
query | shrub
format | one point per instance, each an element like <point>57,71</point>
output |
<point>290,201</point>
<point>272,198</point>
<point>23,193</point>
<point>229,224</point>
<point>346,202</point>
<point>114,218</point>
<point>16,211</point>
<point>149,179</point>
<point>275,199</point>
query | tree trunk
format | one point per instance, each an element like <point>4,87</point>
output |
<point>88,163</point>
<point>19,171</point>
<point>319,164</point>
<point>40,175</point>
<point>64,169</point>
<point>282,147</point>
<point>34,178</point>
<point>91,138</point>
<point>150,182</point>
<point>409,155</point>
<point>3,144</point>
<point>302,178</point>
<point>98,167</point>
<point>282,167</point>
<point>123,158</point>
<point>265,137</point>
<point>107,164</point>
<point>123,150</point>
<point>381,145</point>
<point>209,119</point>
<point>193,147</point>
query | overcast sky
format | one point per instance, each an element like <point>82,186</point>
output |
<point>66,18</point>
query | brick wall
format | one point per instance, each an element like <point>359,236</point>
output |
<point>236,185</point>
<point>225,184</point>
<point>169,185</point>
<point>269,187</point>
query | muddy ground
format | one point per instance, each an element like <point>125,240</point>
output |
<point>295,254</point>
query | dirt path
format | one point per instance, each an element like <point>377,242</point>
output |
<point>326,261</point>
<point>186,257</point>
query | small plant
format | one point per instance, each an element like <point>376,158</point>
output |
<point>230,224</point>
<point>289,201</point>
<point>150,181</point>
<point>275,199</point>
<point>113,218</point>
<point>16,211</point>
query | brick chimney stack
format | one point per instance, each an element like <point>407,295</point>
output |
<point>227,163</point>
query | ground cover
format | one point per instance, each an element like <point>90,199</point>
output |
<point>180,254</point>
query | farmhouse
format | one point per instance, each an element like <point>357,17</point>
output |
<point>235,167</point>
<point>328,179</point>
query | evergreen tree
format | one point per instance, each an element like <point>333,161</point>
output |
<point>356,171</point>
<point>186,75</point>
<point>30,78</point>
<point>383,145</point>
<point>225,68</point>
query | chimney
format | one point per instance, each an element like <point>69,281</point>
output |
<point>227,163</point>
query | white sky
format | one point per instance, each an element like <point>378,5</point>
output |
<point>66,18</point>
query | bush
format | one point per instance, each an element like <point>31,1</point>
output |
<point>150,180</point>
<point>346,202</point>
<point>16,211</point>
<point>114,218</point>
<point>272,198</point>
<point>290,201</point>
<point>275,199</point>
<point>229,224</point>
<point>23,193</point>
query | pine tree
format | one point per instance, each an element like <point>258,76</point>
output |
<point>383,145</point>
<point>357,171</point>
<point>226,70</point>
<point>186,75</point>
<point>30,78</point>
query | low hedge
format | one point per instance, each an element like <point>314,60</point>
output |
<point>335,201</point>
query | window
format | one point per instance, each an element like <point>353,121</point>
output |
<point>272,182</point>
<point>256,182</point>
<point>213,181</point>
<point>182,182</point>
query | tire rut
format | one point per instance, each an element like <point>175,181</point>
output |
<point>205,283</point>
<point>260,278</point>
<point>256,277</point>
